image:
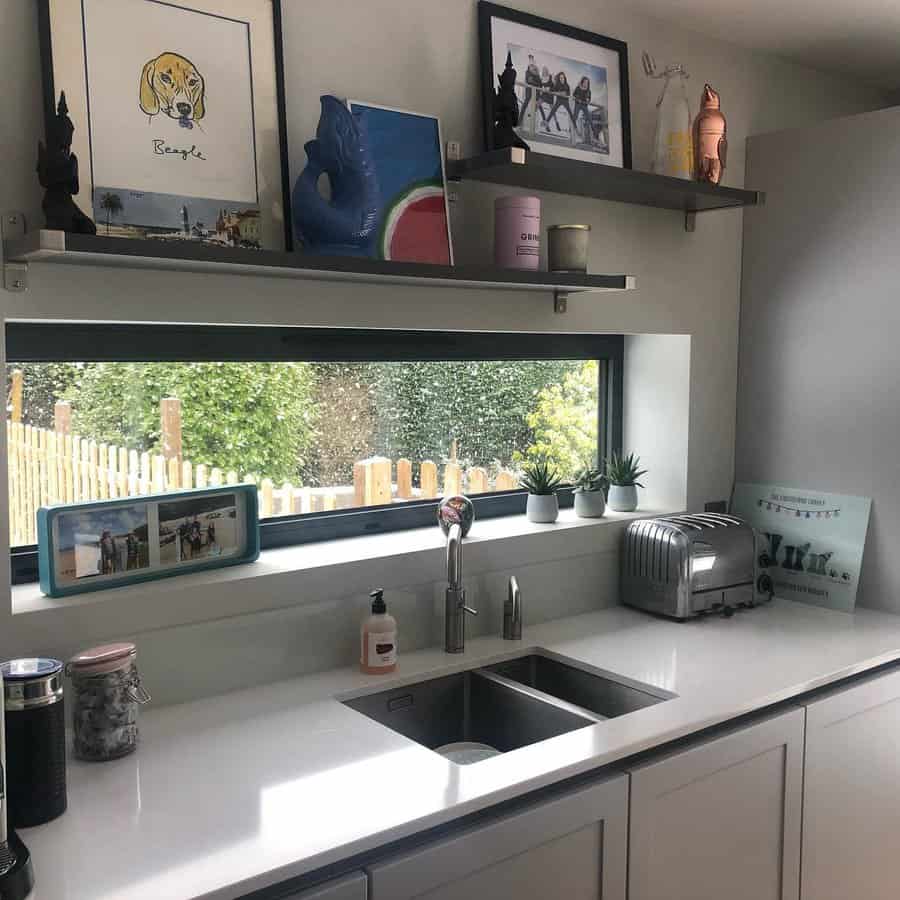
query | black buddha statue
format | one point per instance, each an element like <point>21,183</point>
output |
<point>506,110</point>
<point>57,170</point>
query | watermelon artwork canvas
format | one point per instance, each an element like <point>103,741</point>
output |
<point>408,158</point>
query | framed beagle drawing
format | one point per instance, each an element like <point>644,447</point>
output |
<point>179,114</point>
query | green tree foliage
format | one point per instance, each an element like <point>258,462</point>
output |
<point>43,384</point>
<point>422,407</point>
<point>345,422</point>
<point>564,422</point>
<point>309,422</point>
<point>253,419</point>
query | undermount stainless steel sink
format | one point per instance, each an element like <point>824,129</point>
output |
<point>469,706</point>
<point>506,705</point>
<point>600,694</point>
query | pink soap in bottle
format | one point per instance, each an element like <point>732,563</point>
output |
<point>378,639</point>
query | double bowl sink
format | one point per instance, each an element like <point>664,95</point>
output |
<point>506,705</point>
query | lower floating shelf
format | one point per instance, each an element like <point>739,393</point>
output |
<point>60,248</point>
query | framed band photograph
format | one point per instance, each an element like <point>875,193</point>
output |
<point>104,544</point>
<point>571,84</point>
<point>178,108</point>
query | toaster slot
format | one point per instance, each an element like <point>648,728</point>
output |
<point>717,599</point>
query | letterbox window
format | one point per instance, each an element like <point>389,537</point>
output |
<point>344,432</point>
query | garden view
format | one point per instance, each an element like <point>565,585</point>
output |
<point>305,424</point>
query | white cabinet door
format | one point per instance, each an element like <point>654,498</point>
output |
<point>851,795</point>
<point>721,819</point>
<point>351,887</point>
<point>572,847</point>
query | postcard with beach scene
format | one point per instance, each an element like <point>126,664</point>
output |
<point>101,542</point>
<point>197,529</point>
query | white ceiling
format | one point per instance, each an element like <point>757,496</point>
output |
<point>856,38</point>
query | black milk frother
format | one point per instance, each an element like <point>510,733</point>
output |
<point>16,874</point>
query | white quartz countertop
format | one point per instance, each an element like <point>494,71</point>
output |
<point>242,791</point>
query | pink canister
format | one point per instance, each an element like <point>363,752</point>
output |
<point>517,232</point>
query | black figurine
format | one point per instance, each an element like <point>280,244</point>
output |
<point>506,110</point>
<point>57,170</point>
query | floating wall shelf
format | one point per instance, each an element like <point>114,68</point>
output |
<point>540,172</point>
<point>59,248</point>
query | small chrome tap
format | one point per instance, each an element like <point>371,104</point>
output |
<point>512,612</point>
<point>455,516</point>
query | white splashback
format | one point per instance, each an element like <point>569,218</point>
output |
<point>209,658</point>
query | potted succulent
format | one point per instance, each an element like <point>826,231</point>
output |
<point>542,481</point>
<point>590,493</point>
<point>623,473</point>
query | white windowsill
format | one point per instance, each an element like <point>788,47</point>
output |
<point>308,572</point>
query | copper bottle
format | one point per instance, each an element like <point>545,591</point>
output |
<point>710,140</point>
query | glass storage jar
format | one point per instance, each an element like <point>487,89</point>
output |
<point>106,693</point>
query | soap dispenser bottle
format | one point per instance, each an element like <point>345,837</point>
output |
<point>378,639</point>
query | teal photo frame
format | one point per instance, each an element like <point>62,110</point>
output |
<point>110,543</point>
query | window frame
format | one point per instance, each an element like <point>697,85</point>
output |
<point>37,342</point>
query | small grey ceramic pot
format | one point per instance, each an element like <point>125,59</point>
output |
<point>589,504</point>
<point>542,508</point>
<point>567,248</point>
<point>622,497</point>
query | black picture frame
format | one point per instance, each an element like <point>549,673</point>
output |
<point>50,97</point>
<point>488,11</point>
<point>280,92</point>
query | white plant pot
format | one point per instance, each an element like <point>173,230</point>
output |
<point>589,504</point>
<point>622,497</point>
<point>543,508</point>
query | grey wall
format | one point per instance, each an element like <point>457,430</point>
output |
<point>422,56</point>
<point>819,397</point>
<point>658,420</point>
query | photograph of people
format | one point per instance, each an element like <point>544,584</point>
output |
<point>102,542</point>
<point>555,112</point>
<point>582,97</point>
<point>132,550</point>
<point>197,529</point>
<point>547,93</point>
<point>533,82</point>
<point>560,99</point>
<point>107,553</point>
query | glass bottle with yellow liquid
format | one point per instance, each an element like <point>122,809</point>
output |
<point>674,148</point>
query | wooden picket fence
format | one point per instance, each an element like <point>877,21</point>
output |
<point>47,466</point>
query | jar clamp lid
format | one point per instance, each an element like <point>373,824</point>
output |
<point>103,659</point>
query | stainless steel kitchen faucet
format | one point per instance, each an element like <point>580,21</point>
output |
<point>455,516</point>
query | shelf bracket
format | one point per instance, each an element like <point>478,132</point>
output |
<point>560,302</point>
<point>15,275</point>
<point>690,222</point>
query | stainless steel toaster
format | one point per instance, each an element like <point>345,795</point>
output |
<point>688,565</point>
